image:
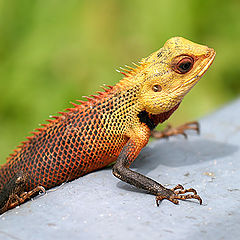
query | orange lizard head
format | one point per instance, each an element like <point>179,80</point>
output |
<point>168,74</point>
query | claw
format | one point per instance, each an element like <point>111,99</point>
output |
<point>186,191</point>
<point>189,196</point>
<point>169,131</point>
<point>179,186</point>
<point>24,196</point>
<point>175,193</point>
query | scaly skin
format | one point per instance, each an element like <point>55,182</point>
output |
<point>112,126</point>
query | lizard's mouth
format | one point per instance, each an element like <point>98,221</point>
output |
<point>210,61</point>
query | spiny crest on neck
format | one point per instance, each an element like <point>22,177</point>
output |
<point>128,70</point>
<point>130,74</point>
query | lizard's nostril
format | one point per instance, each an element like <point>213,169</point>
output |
<point>209,52</point>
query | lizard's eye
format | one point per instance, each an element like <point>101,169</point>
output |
<point>156,88</point>
<point>184,65</point>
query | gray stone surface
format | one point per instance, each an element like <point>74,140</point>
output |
<point>99,206</point>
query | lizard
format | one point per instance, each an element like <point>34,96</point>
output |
<point>111,126</point>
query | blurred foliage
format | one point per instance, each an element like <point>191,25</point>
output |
<point>55,51</point>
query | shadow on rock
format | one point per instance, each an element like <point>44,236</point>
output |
<point>181,153</point>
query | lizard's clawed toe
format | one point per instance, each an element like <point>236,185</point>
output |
<point>175,194</point>
<point>180,130</point>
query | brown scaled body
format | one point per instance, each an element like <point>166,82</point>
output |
<point>112,126</point>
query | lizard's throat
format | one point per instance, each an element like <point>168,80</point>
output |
<point>152,120</point>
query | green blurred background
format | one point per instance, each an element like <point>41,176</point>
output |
<point>55,51</point>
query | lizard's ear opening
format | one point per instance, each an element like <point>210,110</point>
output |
<point>182,64</point>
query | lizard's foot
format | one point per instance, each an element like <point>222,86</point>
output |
<point>175,193</point>
<point>170,131</point>
<point>25,195</point>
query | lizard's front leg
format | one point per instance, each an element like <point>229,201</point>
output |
<point>121,170</point>
<point>170,131</point>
